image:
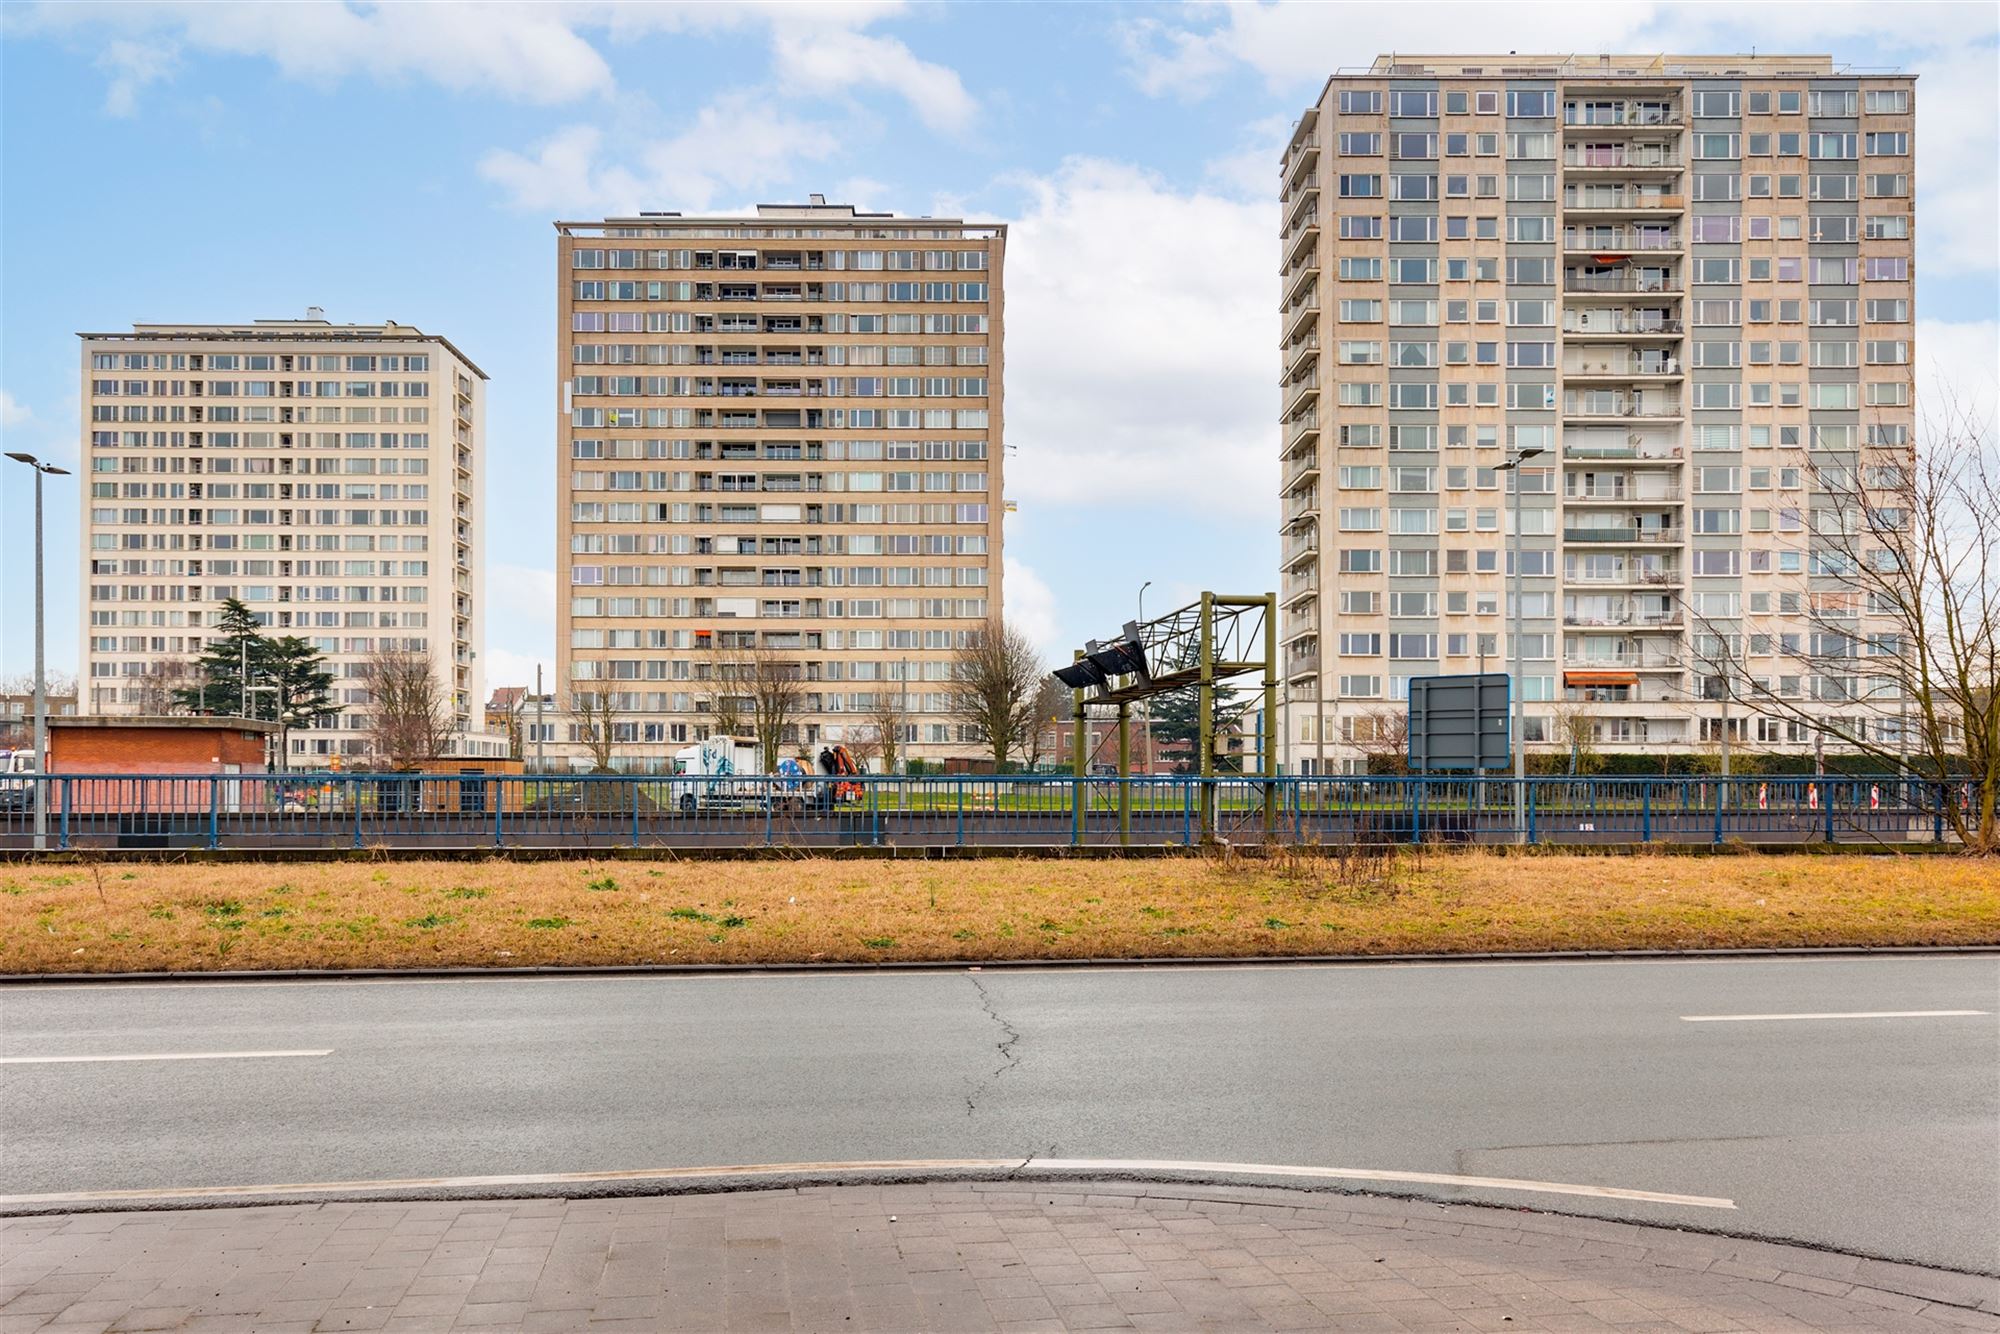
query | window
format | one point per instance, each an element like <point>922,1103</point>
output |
<point>1361,102</point>
<point>1887,101</point>
<point>1412,102</point>
<point>1719,104</point>
<point>1360,187</point>
<point>1531,104</point>
<point>1360,145</point>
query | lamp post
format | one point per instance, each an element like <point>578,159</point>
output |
<point>41,677</point>
<point>1513,465</point>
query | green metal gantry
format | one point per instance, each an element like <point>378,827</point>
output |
<point>1208,641</point>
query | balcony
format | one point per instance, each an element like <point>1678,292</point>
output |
<point>1620,115</point>
<point>1300,430</point>
<point>1621,282</point>
<point>1630,407</point>
<point>1609,323</point>
<point>1630,662</point>
<point>1619,199</point>
<point>1651,492</point>
<point>1619,363</point>
<point>1300,469</point>
<point>1302,547</point>
<point>1624,577</point>
<point>1301,507</point>
<point>1620,240</point>
<point>1301,392</point>
<point>1624,534</point>
<point>1621,157</point>
<point>1301,316</point>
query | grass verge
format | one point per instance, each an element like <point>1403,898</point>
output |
<point>414,914</point>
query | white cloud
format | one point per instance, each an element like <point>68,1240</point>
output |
<point>520,624</point>
<point>1294,46</point>
<point>526,52</point>
<point>1142,346</point>
<point>1959,360</point>
<point>1251,171</point>
<point>13,412</point>
<point>504,667</point>
<point>132,65</point>
<point>819,59</point>
<point>1031,606</point>
<point>735,144</point>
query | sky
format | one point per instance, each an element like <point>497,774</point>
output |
<point>222,162</point>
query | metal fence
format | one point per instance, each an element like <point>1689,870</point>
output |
<point>273,812</point>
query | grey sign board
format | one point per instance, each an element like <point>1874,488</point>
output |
<point>1459,722</point>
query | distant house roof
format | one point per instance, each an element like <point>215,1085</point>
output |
<point>506,697</point>
<point>192,722</point>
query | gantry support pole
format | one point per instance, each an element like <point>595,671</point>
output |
<point>1205,732</point>
<point>1270,747</point>
<point>1124,773</point>
<point>1079,761</point>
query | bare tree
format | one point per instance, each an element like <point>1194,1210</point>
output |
<point>1574,729</point>
<point>159,686</point>
<point>864,745</point>
<point>1052,705</point>
<point>994,679</point>
<point>410,713</point>
<point>773,686</point>
<point>1383,735</point>
<point>889,723</point>
<point>594,714</point>
<point>1899,597</point>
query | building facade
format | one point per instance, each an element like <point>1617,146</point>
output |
<point>326,475</point>
<point>1679,289</point>
<point>780,440</point>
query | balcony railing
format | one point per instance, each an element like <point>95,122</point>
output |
<point>1608,361</point>
<point>1667,494</point>
<point>1622,322</point>
<point>1616,239</point>
<point>1619,114</point>
<point>1610,197</point>
<point>1660,578</point>
<point>1623,533</point>
<point>1611,156</point>
<point>1619,405</point>
<point>1628,281</point>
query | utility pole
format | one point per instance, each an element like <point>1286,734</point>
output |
<point>42,786</point>
<point>1513,465</point>
<point>540,766</point>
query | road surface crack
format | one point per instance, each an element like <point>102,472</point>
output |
<point>1010,1037</point>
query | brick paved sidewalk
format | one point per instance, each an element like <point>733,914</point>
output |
<point>960,1256</point>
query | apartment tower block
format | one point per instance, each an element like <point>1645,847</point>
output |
<point>327,475</point>
<point>780,442</point>
<point>1679,288</point>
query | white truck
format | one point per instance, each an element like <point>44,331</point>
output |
<point>17,792</point>
<point>720,764</point>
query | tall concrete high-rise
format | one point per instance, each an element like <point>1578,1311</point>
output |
<point>1680,289</point>
<point>779,444</point>
<point>327,475</point>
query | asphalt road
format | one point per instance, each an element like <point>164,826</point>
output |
<point>1877,1135</point>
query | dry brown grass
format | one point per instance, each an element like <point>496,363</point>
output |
<point>410,914</point>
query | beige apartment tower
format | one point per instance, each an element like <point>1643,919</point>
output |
<point>328,475</point>
<point>1679,290</point>
<point>779,442</point>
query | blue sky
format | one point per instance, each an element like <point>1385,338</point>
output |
<point>222,162</point>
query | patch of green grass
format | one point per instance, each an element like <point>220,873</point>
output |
<point>1277,924</point>
<point>547,923</point>
<point>880,942</point>
<point>601,886</point>
<point>163,914</point>
<point>432,920</point>
<point>274,912</point>
<point>734,921</point>
<point>964,933</point>
<point>227,913</point>
<point>690,914</point>
<point>460,892</point>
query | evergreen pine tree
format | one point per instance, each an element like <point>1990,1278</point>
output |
<point>218,673</point>
<point>305,686</point>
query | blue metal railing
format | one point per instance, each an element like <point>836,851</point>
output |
<point>466,811</point>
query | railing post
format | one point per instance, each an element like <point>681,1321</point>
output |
<point>1079,798</point>
<point>961,812</point>
<point>874,815</point>
<point>214,811</point>
<point>770,801</point>
<point>354,799</point>
<point>499,809</point>
<point>1187,813</point>
<point>1720,787</point>
<point>1645,810</point>
<point>1416,810</point>
<point>1826,807</point>
<point>1531,810</point>
<point>62,834</point>
<point>1937,817</point>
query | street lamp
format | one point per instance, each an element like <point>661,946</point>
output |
<point>41,677</point>
<point>1513,465</point>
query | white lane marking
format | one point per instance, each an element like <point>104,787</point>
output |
<point>1080,1166</point>
<point>160,1056</point>
<point>1854,1014</point>
<point>753,973</point>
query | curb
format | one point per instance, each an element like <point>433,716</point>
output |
<point>1690,1248</point>
<point>1002,965</point>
